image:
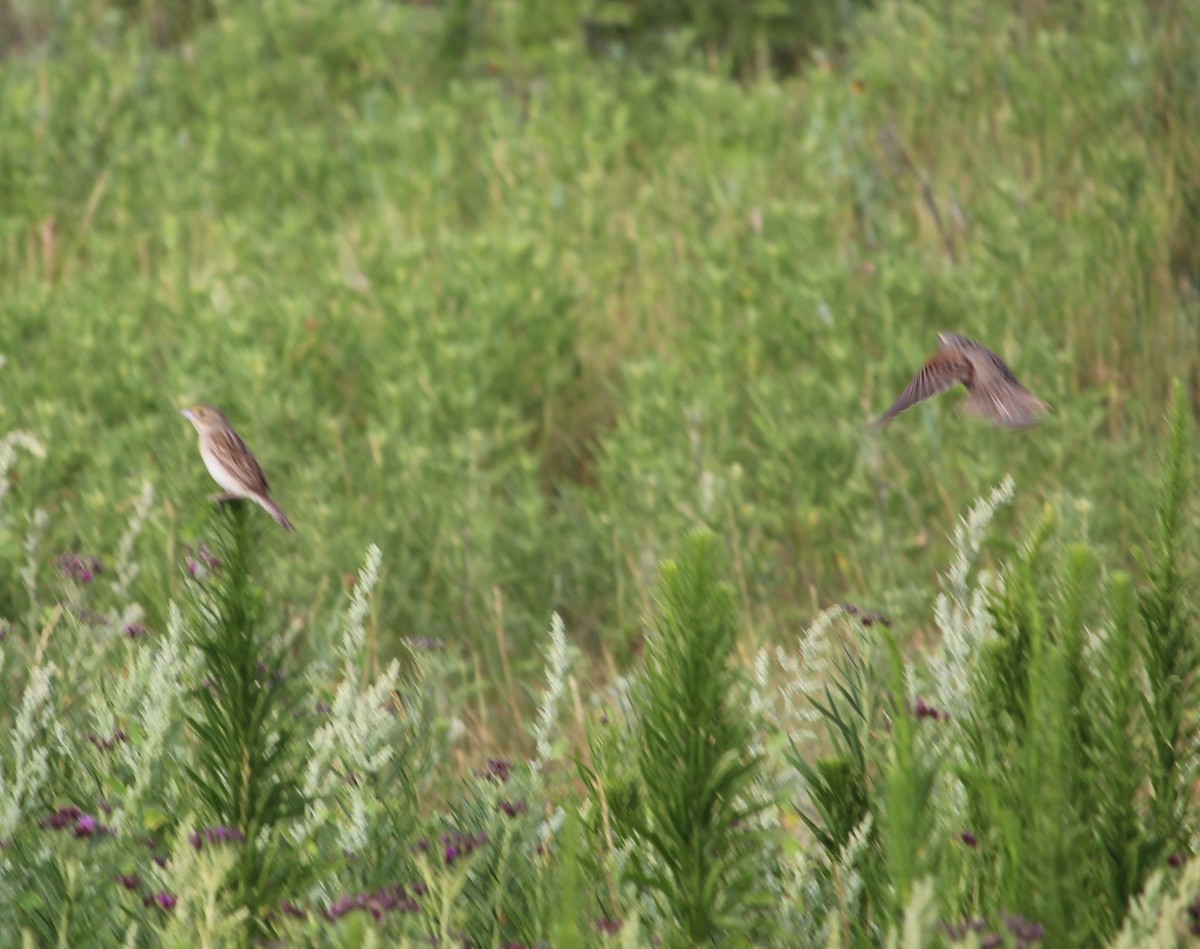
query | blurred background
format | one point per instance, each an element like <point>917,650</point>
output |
<point>523,290</point>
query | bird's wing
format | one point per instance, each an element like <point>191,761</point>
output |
<point>996,393</point>
<point>944,370</point>
<point>228,448</point>
<point>1006,403</point>
<point>986,363</point>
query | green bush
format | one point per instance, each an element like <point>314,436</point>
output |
<point>518,320</point>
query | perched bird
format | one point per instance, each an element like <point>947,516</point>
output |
<point>232,465</point>
<point>994,391</point>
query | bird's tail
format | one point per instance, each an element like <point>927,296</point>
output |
<point>276,512</point>
<point>1006,404</point>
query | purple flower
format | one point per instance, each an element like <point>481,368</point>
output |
<point>81,824</point>
<point>456,845</point>
<point>152,844</point>
<point>62,818</point>
<point>200,561</point>
<point>162,899</point>
<point>135,631</point>
<point>608,927</point>
<point>497,770</point>
<point>215,835</point>
<point>969,839</point>
<point>108,744</point>
<point>385,900</point>
<point>1025,931</point>
<point>924,710</point>
<point>80,568</point>
<point>513,808</point>
<point>262,669</point>
<point>957,932</point>
<point>865,616</point>
<point>129,880</point>
<point>89,616</point>
<point>340,907</point>
<point>422,642</point>
<point>291,909</point>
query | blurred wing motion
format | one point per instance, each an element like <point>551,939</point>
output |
<point>995,393</point>
<point>944,370</point>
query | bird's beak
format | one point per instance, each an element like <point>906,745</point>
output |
<point>187,414</point>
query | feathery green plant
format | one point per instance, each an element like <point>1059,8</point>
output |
<point>843,690</point>
<point>359,738</point>
<point>906,824</point>
<point>246,770</point>
<point>711,280</point>
<point>1170,648</point>
<point>1117,762</point>
<point>695,769</point>
<point>525,315</point>
<point>1030,788</point>
<point>836,784</point>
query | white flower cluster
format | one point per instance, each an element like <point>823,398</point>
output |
<point>960,610</point>
<point>805,677</point>
<point>29,751</point>
<point>558,666</point>
<point>8,455</point>
<point>356,740</point>
<point>127,569</point>
<point>1153,921</point>
<point>148,701</point>
<point>29,573</point>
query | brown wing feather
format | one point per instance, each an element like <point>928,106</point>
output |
<point>983,359</point>
<point>996,393</point>
<point>229,448</point>
<point>1005,403</point>
<point>944,370</point>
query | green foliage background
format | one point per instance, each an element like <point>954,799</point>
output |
<point>585,308</point>
<point>523,298</point>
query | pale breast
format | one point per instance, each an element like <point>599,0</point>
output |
<point>220,474</point>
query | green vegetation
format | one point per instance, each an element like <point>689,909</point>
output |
<point>581,310</point>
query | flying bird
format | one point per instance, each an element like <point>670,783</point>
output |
<point>232,465</point>
<point>994,391</point>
